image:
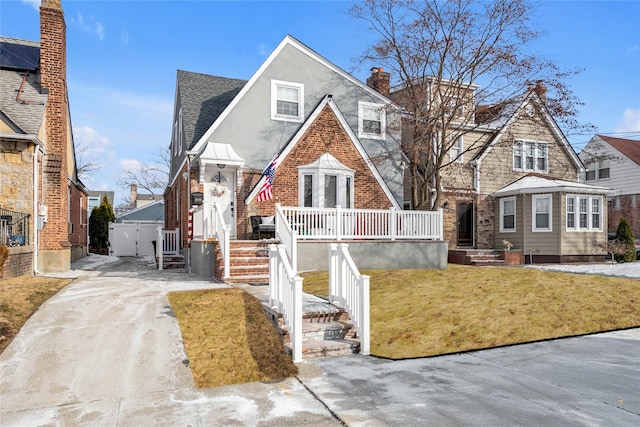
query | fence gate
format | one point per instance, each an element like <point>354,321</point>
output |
<point>132,239</point>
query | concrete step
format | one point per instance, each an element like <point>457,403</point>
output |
<point>324,348</point>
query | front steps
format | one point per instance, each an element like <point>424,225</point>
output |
<point>170,262</point>
<point>479,257</point>
<point>484,257</point>
<point>326,329</point>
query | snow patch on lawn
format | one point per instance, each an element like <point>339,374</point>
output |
<point>627,269</point>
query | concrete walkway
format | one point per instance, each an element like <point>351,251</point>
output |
<point>107,351</point>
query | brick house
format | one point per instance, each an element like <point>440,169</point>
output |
<point>519,142</point>
<point>333,136</point>
<point>615,163</point>
<point>37,159</point>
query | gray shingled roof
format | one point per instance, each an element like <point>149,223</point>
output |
<point>27,112</point>
<point>203,98</point>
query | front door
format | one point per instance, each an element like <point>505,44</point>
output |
<point>465,224</point>
<point>220,189</point>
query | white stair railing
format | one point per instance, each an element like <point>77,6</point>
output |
<point>285,296</point>
<point>167,243</point>
<point>350,290</point>
<point>222,233</point>
<point>287,236</point>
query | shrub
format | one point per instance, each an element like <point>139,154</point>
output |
<point>625,236</point>
<point>4,254</point>
<point>99,227</point>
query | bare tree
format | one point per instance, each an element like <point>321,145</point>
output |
<point>447,58</point>
<point>84,168</point>
<point>152,177</point>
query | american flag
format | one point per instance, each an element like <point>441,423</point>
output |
<point>265,191</point>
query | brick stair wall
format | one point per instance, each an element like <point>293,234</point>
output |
<point>249,262</point>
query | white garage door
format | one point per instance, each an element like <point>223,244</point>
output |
<point>132,239</point>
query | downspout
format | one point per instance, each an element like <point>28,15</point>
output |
<point>36,217</point>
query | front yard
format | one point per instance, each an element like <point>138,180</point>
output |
<point>417,313</point>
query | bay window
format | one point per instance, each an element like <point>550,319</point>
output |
<point>589,211</point>
<point>325,183</point>
<point>542,212</point>
<point>508,214</point>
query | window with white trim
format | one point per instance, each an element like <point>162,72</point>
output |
<point>598,169</point>
<point>542,212</point>
<point>508,215</point>
<point>371,120</point>
<point>325,184</point>
<point>287,101</point>
<point>530,156</point>
<point>588,210</point>
<point>456,150</point>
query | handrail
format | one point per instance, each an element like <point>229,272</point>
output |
<point>350,290</point>
<point>167,243</point>
<point>222,233</point>
<point>285,296</point>
<point>286,235</point>
<point>363,224</point>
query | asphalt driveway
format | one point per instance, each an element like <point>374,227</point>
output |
<point>107,351</point>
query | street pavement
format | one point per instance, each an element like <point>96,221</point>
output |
<point>107,351</point>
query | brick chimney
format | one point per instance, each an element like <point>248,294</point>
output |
<point>134,195</point>
<point>53,69</point>
<point>541,90</point>
<point>379,80</point>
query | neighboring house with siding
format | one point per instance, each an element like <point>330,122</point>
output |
<point>615,163</point>
<point>43,202</point>
<point>508,179</point>
<point>330,132</point>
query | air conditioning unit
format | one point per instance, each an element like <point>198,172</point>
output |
<point>43,210</point>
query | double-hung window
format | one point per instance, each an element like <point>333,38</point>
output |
<point>508,215</point>
<point>371,120</point>
<point>584,213</point>
<point>542,212</point>
<point>456,150</point>
<point>287,101</point>
<point>530,156</point>
<point>598,169</point>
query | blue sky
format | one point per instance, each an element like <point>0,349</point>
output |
<point>122,58</point>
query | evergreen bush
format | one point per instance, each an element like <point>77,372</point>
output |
<point>625,236</point>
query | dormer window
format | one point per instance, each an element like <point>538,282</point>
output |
<point>371,120</point>
<point>287,101</point>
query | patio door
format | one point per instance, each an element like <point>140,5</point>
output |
<point>465,224</point>
<point>220,189</point>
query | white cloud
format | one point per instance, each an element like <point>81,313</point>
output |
<point>130,164</point>
<point>34,3</point>
<point>92,27</point>
<point>92,146</point>
<point>124,37</point>
<point>630,121</point>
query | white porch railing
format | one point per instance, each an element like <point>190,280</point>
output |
<point>167,243</point>
<point>287,236</point>
<point>350,290</point>
<point>340,224</point>
<point>285,296</point>
<point>208,223</point>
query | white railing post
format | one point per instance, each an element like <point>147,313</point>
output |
<point>393,223</point>
<point>333,272</point>
<point>296,323</point>
<point>440,224</point>
<point>338,224</point>
<point>159,246</point>
<point>365,332</point>
<point>273,275</point>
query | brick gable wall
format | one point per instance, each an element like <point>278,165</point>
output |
<point>325,135</point>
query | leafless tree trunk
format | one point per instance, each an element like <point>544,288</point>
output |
<point>448,57</point>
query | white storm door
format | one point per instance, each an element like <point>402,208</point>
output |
<point>221,190</point>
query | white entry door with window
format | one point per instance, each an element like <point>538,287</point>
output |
<point>220,189</point>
